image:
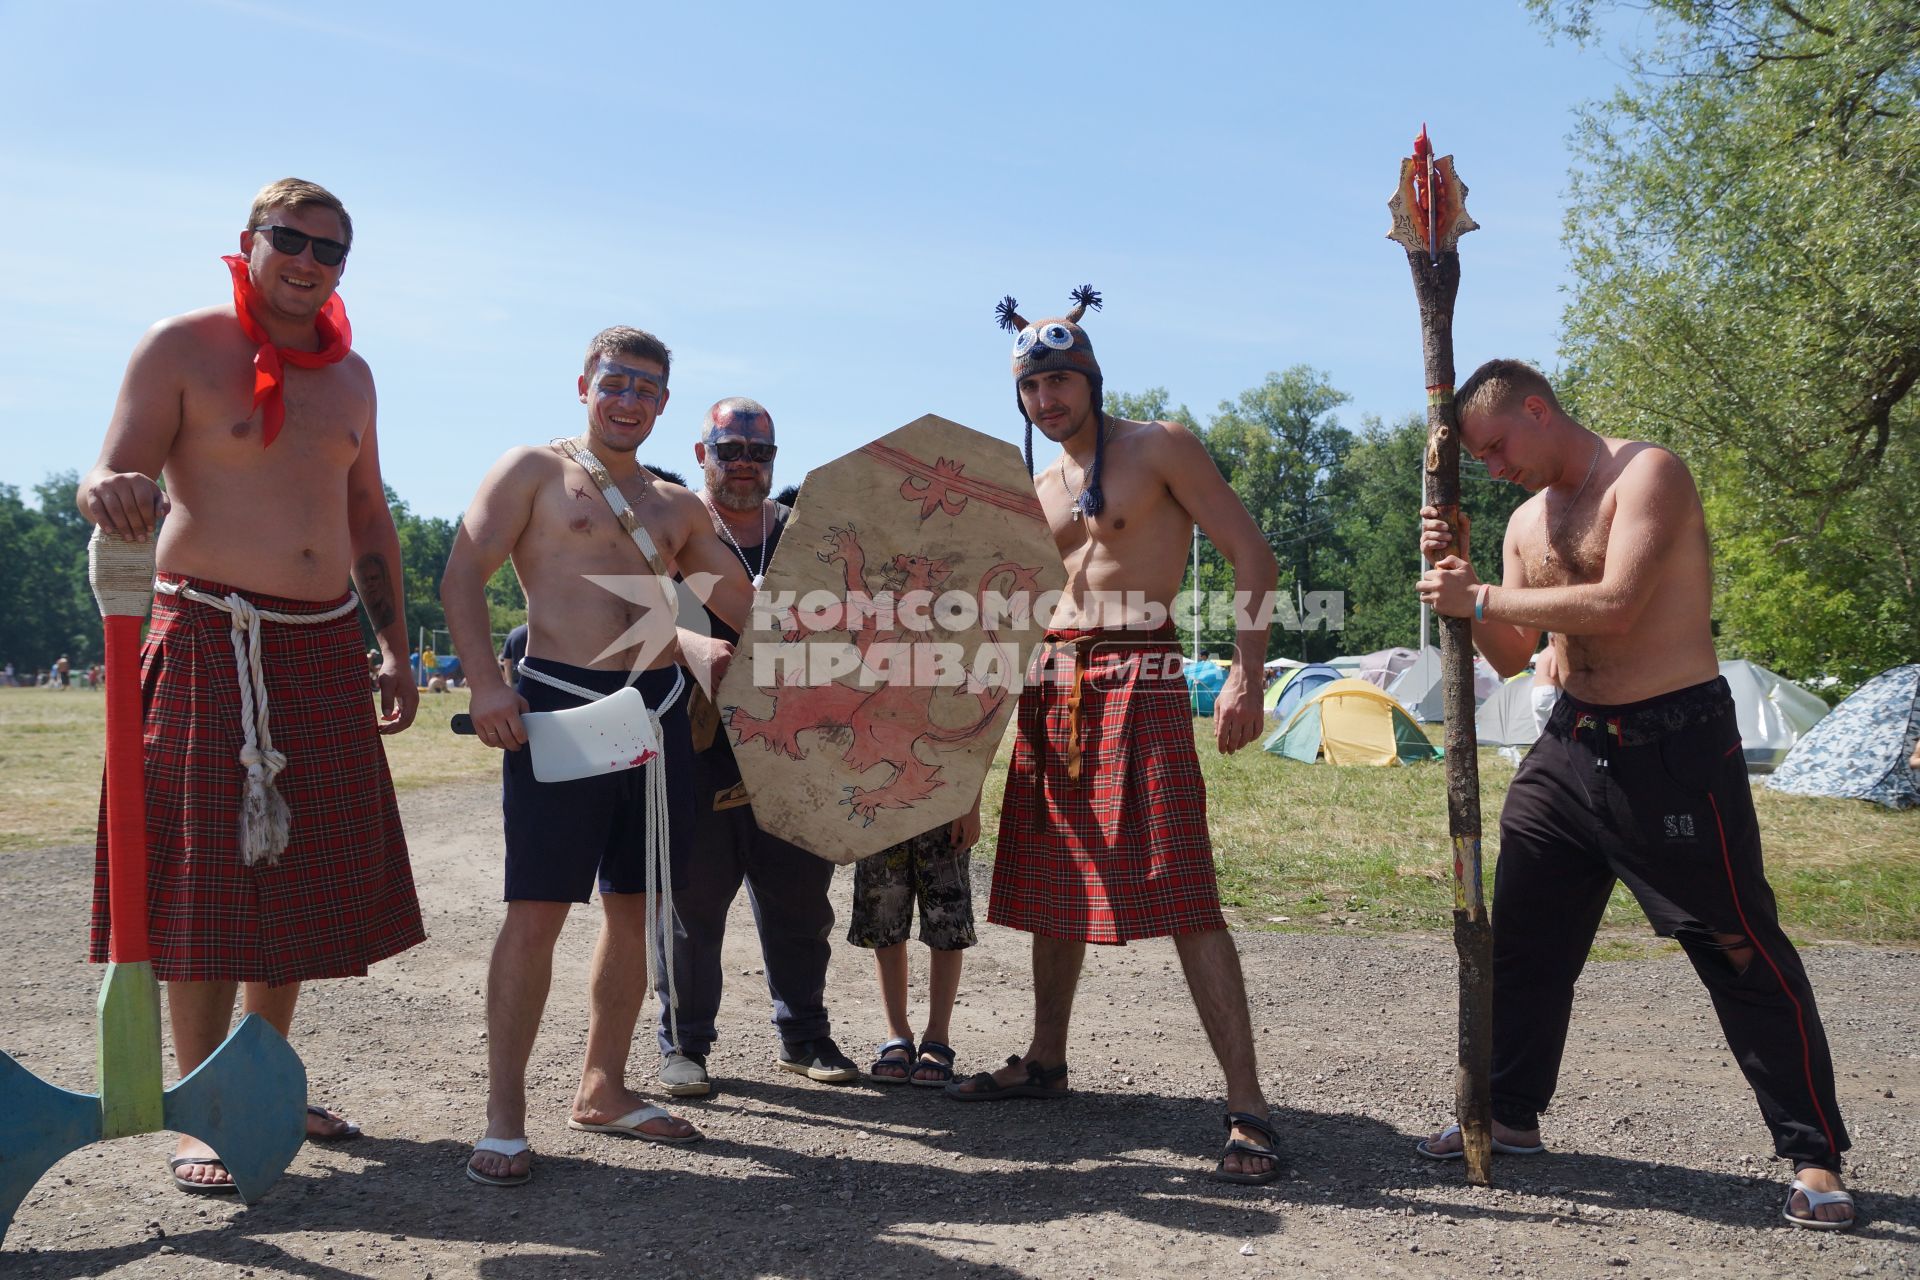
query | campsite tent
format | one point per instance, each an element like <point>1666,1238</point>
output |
<point>1383,666</point>
<point>1299,684</point>
<point>1773,712</point>
<point>1204,679</point>
<point>1506,719</point>
<point>1861,751</point>
<point>1351,722</point>
<point>1420,688</point>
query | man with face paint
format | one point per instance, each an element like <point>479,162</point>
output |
<point>1103,833</point>
<point>1637,777</point>
<point>786,885</point>
<point>260,417</point>
<point>598,619</point>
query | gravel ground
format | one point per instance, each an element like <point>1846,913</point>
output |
<point>1660,1165</point>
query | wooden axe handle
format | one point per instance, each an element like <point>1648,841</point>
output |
<point>121,574</point>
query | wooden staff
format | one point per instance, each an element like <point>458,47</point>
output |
<point>1429,217</point>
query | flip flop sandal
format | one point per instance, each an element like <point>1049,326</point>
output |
<point>628,1126</point>
<point>986,1089</point>
<point>200,1188</point>
<point>1240,1146</point>
<point>942,1066</point>
<point>348,1134</point>
<point>1814,1200</point>
<point>508,1147</point>
<point>1504,1148</point>
<point>880,1059</point>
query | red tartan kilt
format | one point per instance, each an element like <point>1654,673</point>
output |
<point>341,896</point>
<point>1122,852</point>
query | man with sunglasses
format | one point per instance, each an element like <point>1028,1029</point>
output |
<point>786,885</point>
<point>260,417</point>
<point>600,617</point>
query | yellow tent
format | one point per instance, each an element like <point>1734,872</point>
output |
<point>1352,722</point>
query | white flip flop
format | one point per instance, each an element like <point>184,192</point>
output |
<point>508,1147</point>
<point>628,1126</point>
<point>1814,1200</point>
<point>1504,1148</point>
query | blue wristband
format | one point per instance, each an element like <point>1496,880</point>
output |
<point>1480,603</point>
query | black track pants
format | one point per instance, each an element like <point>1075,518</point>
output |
<point>1653,794</point>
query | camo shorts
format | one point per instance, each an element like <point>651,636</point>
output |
<point>926,868</point>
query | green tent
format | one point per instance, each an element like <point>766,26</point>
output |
<point>1352,722</point>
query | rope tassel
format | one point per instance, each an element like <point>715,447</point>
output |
<point>265,823</point>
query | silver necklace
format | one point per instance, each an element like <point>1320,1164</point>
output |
<point>760,574</point>
<point>1072,493</point>
<point>1597,445</point>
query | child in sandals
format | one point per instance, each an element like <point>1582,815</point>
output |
<point>933,868</point>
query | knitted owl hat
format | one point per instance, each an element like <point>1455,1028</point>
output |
<point>1059,343</point>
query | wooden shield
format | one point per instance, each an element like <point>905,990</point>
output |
<point>886,651</point>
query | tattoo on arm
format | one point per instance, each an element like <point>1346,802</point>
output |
<point>376,590</point>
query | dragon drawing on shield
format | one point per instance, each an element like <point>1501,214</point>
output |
<point>891,720</point>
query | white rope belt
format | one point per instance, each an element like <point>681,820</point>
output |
<point>264,822</point>
<point>659,872</point>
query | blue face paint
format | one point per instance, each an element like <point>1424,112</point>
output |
<point>740,424</point>
<point>613,380</point>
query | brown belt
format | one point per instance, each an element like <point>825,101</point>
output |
<point>1081,645</point>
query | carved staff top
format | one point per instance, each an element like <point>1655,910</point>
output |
<point>1430,208</point>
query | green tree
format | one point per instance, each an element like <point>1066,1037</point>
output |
<point>1281,447</point>
<point>1744,227</point>
<point>1378,495</point>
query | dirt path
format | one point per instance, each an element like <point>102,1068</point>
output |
<point>1660,1170</point>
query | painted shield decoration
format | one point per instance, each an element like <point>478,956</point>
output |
<point>886,651</point>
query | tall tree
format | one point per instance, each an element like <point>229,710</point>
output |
<point>1744,228</point>
<point>1377,496</point>
<point>1281,447</point>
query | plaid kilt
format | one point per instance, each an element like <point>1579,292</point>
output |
<point>341,895</point>
<point>1122,851</point>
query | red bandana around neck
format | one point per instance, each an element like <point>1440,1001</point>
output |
<point>336,339</point>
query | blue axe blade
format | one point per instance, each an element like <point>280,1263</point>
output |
<point>248,1101</point>
<point>43,1123</point>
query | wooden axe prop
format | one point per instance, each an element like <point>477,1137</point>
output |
<point>1429,217</point>
<point>248,1099</point>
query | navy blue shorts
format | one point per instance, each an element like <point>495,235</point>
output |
<point>561,836</point>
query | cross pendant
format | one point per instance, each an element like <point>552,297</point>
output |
<point>1077,513</point>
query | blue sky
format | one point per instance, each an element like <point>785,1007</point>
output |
<point>813,205</point>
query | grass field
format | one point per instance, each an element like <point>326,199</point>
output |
<point>1299,846</point>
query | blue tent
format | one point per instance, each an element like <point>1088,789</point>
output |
<point>1300,686</point>
<point>1204,679</point>
<point>1861,749</point>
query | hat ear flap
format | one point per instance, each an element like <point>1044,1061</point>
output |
<point>1083,297</point>
<point>1008,315</point>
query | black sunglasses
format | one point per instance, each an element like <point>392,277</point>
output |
<point>328,253</point>
<point>733,450</point>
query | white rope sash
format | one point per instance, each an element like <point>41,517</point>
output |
<point>265,824</point>
<point>659,868</point>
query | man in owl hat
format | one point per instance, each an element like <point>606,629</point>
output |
<point>1103,832</point>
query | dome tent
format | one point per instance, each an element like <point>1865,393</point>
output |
<point>1773,712</point>
<point>1299,685</point>
<point>1861,750</point>
<point>1352,722</point>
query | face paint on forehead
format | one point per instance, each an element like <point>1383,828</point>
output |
<point>640,380</point>
<point>744,423</point>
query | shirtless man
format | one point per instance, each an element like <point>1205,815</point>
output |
<point>1103,834</point>
<point>1638,776</point>
<point>546,511</point>
<point>273,493</point>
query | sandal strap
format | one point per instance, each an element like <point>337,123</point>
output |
<point>938,1050</point>
<point>898,1042</point>
<point>1247,1120</point>
<point>1038,1074</point>
<point>1817,1198</point>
